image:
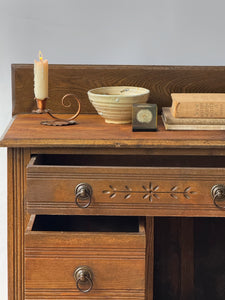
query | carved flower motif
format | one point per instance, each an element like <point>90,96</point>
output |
<point>149,192</point>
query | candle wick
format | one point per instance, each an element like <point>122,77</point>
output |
<point>40,55</point>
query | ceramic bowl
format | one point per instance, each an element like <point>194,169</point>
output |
<point>114,103</point>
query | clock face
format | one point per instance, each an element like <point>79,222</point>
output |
<point>144,116</point>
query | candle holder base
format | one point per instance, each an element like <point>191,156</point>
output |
<point>41,106</point>
<point>58,123</point>
<point>41,109</point>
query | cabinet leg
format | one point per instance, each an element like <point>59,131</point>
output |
<point>17,161</point>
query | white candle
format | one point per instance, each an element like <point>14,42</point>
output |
<point>41,78</point>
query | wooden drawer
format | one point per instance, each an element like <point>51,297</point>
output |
<point>112,247</point>
<point>126,185</point>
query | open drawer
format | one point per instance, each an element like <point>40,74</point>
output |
<point>85,257</point>
<point>125,185</point>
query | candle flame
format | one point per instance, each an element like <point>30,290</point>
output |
<point>40,56</point>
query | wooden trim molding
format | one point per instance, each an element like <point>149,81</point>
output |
<point>17,161</point>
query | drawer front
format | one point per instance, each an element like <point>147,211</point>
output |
<point>123,190</point>
<point>116,261</point>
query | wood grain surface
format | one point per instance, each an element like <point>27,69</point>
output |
<point>121,185</point>
<point>174,259</point>
<point>189,259</point>
<point>17,161</point>
<point>78,79</point>
<point>209,257</point>
<point>117,260</point>
<point>92,131</point>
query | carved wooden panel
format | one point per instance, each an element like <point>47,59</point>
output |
<point>149,192</point>
<point>124,190</point>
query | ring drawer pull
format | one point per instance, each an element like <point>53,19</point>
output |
<point>218,195</point>
<point>83,193</point>
<point>83,276</point>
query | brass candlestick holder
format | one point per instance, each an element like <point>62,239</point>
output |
<point>41,109</point>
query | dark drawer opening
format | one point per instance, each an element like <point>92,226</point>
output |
<point>85,223</point>
<point>130,160</point>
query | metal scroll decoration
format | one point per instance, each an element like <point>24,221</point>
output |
<point>149,192</point>
<point>41,109</point>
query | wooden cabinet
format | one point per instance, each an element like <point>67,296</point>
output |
<point>96,211</point>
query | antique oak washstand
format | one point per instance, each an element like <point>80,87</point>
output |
<point>149,222</point>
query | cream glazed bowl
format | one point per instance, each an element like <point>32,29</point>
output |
<point>114,103</point>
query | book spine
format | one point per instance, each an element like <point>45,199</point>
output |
<point>197,109</point>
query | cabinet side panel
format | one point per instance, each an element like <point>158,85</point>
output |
<point>17,160</point>
<point>11,263</point>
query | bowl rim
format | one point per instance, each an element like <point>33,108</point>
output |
<point>145,91</point>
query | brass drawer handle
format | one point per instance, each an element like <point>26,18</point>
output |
<point>84,277</point>
<point>218,195</point>
<point>83,193</point>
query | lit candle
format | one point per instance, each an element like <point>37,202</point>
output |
<point>41,78</point>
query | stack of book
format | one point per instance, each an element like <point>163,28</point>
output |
<point>195,111</point>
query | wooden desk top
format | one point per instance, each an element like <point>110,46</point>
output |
<point>92,131</point>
